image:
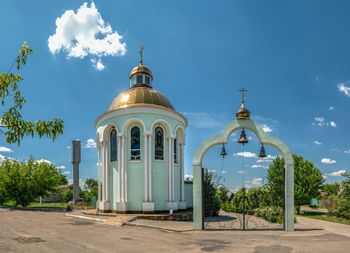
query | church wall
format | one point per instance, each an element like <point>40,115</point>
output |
<point>135,169</point>
<point>189,195</point>
<point>135,174</point>
<point>177,182</point>
<point>159,184</point>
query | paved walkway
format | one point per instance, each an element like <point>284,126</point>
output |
<point>34,231</point>
<point>340,229</point>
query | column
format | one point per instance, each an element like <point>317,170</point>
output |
<point>289,196</point>
<point>119,161</point>
<point>104,204</point>
<point>182,203</point>
<point>198,221</point>
<point>148,205</point>
<point>146,167</point>
<point>99,174</point>
<point>150,168</point>
<point>171,204</point>
<point>121,205</point>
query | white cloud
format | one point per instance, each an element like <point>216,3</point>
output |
<point>317,142</point>
<point>90,143</point>
<point>327,161</point>
<point>66,172</point>
<point>331,108</point>
<point>211,171</point>
<point>43,161</point>
<point>240,171</point>
<point>324,176</point>
<point>321,122</point>
<point>345,89</point>
<point>245,154</point>
<point>256,181</point>
<point>205,120</point>
<point>257,166</point>
<point>2,158</point>
<point>83,32</point>
<point>224,172</point>
<point>337,173</point>
<point>61,167</point>
<point>347,151</point>
<point>188,177</point>
<point>5,149</point>
<point>98,64</point>
<point>266,128</point>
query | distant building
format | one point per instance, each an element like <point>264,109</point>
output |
<point>140,142</point>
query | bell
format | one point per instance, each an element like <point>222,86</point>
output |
<point>243,138</point>
<point>223,151</point>
<point>262,153</point>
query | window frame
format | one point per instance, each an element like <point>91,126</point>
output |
<point>132,157</point>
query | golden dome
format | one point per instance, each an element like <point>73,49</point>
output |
<point>140,94</point>
<point>243,113</point>
<point>141,69</point>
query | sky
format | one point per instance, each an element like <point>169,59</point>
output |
<point>292,56</point>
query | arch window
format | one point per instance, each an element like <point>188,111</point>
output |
<point>175,150</point>
<point>113,145</point>
<point>159,144</point>
<point>135,151</point>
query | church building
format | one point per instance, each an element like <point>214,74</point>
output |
<point>140,141</point>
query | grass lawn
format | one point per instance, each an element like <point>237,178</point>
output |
<point>324,216</point>
<point>47,205</point>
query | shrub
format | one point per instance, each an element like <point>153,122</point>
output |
<point>211,202</point>
<point>272,214</point>
<point>344,208</point>
<point>331,203</point>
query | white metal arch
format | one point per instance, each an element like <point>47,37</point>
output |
<point>222,139</point>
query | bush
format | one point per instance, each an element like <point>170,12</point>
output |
<point>331,203</point>
<point>211,202</point>
<point>344,208</point>
<point>67,195</point>
<point>272,214</point>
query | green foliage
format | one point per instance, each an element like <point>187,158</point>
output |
<point>91,189</point>
<point>66,195</point>
<point>23,182</point>
<point>13,126</point>
<point>331,189</point>
<point>211,203</point>
<point>307,181</point>
<point>222,194</point>
<point>272,214</point>
<point>331,203</point>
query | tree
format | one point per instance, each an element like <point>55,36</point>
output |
<point>12,125</point>
<point>308,181</point>
<point>222,194</point>
<point>91,189</point>
<point>331,189</point>
<point>23,182</point>
<point>211,203</point>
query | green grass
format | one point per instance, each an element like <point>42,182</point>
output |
<point>47,205</point>
<point>324,216</point>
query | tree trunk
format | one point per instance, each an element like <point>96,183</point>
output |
<point>298,209</point>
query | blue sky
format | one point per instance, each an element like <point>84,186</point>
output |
<point>292,56</point>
